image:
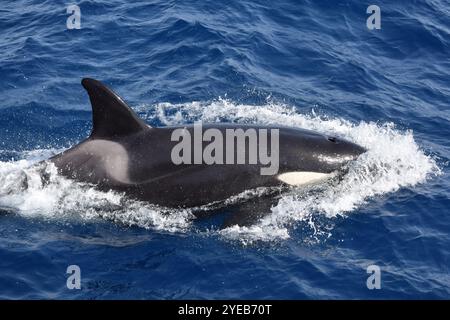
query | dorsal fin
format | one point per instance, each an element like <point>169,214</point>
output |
<point>111,116</point>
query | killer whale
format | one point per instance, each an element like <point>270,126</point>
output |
<point>125,154</point>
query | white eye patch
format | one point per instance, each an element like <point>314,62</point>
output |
<point>299,178</point>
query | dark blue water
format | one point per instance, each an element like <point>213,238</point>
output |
<point>310,64</point>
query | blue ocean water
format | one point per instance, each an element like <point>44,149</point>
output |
<point>310,64</point>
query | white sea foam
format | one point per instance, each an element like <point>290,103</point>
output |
<point>393,160</point>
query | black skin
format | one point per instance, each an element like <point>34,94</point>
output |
<point>154,178</point>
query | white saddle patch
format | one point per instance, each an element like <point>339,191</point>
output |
<point>299,178</point>
<point>111,155</point>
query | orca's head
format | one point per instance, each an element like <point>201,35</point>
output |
<point>335,153</point>
<point>309,151</point>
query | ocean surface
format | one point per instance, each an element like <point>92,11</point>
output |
<point>307,64</point>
